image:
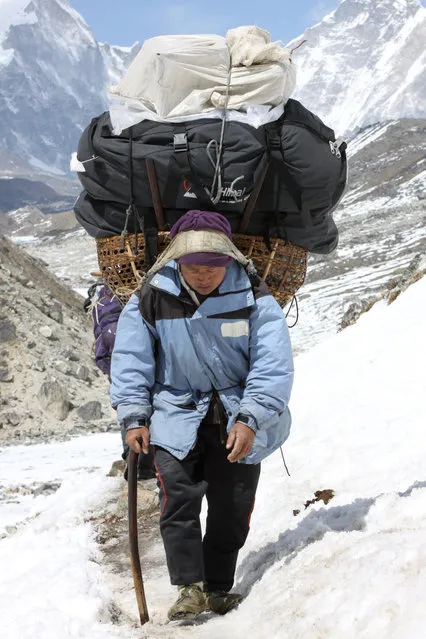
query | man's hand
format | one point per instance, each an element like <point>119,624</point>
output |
<point>135,436</point>
<point>240,441</point>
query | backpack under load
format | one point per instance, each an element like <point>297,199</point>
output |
<point>294,165</point>
<point>105,308</point>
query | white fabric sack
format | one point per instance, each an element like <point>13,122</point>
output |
<point>267,84</point>
<point>252,45</point>
<point>168,68</point>
<point>179,76</point>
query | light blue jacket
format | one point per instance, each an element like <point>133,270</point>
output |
<point>170,356</point>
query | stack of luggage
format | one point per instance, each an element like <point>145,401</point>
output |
<point>204,122</point>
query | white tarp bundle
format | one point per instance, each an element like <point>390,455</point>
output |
<point>180,76</point>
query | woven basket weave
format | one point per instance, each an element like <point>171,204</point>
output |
<point>283,268</point>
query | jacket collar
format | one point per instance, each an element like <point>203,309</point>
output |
<point>236,287</point>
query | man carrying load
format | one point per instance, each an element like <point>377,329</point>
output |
<point>202,370</point>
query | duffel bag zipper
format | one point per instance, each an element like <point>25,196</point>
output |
<point>335,146</point>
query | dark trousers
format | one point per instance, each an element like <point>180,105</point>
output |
<point>230,491</point>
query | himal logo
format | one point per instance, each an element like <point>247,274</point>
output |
<point>229,195</point>
<point>187,189</point>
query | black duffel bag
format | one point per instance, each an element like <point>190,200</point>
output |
<point>282,179</point>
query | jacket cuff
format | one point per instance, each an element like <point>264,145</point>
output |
<point>262,417</point>
<point>249,420</point>
<point>135,424</point>
<point>127,413</point>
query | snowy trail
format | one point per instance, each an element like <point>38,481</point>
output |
<point>355,568</point>
<point>25,468</point>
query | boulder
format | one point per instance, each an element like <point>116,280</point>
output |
<point>5,374</point>
<point>7,330</point>
<point>48,488</point>
<point>90,411</point>
<point>56,313</point>
<point>11,418</point>
<point>355,310</point>
<point>68,353</point>
<point>68,367</point>
<point>117,469</point>
<point>46,331</point>
<point>39,366</point>
<point>54,399</point>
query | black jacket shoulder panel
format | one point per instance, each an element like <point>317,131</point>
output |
<point>260,289</point>
<point>147,304</point>
<point>156,305</point>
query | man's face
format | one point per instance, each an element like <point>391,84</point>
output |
<point>203,279</point>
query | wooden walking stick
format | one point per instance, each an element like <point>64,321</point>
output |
<point>133,536</point>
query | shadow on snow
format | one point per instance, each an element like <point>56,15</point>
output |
<point>347,518</point>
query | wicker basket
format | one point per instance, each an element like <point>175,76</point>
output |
<point>283,268</point>
<point>120,269</point>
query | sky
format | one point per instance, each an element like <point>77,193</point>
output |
<point>354,568</point>
<point>123,23</point>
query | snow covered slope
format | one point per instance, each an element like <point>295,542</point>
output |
<point>354,568</point>
<point>365,63</point>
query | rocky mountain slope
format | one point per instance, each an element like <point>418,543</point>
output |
<point>49,385</point>
<point>30,223</point>
<point>17,192</point>
<point>364,63</point>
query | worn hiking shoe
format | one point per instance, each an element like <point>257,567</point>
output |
<point>190,603</point>
<point>221,602</point>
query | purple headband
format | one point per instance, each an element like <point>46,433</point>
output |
<point>205,259</point>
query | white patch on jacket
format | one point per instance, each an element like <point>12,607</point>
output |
<point>235,329</point>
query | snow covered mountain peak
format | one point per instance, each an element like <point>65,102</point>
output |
<point>18,12</point>
<point>365,63</point>
<point>402,6</point>
<point>52,22</point>
<point>117,59</point>
<point>380,16</point>
<point>12,12</point>
<point>53,79</point>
